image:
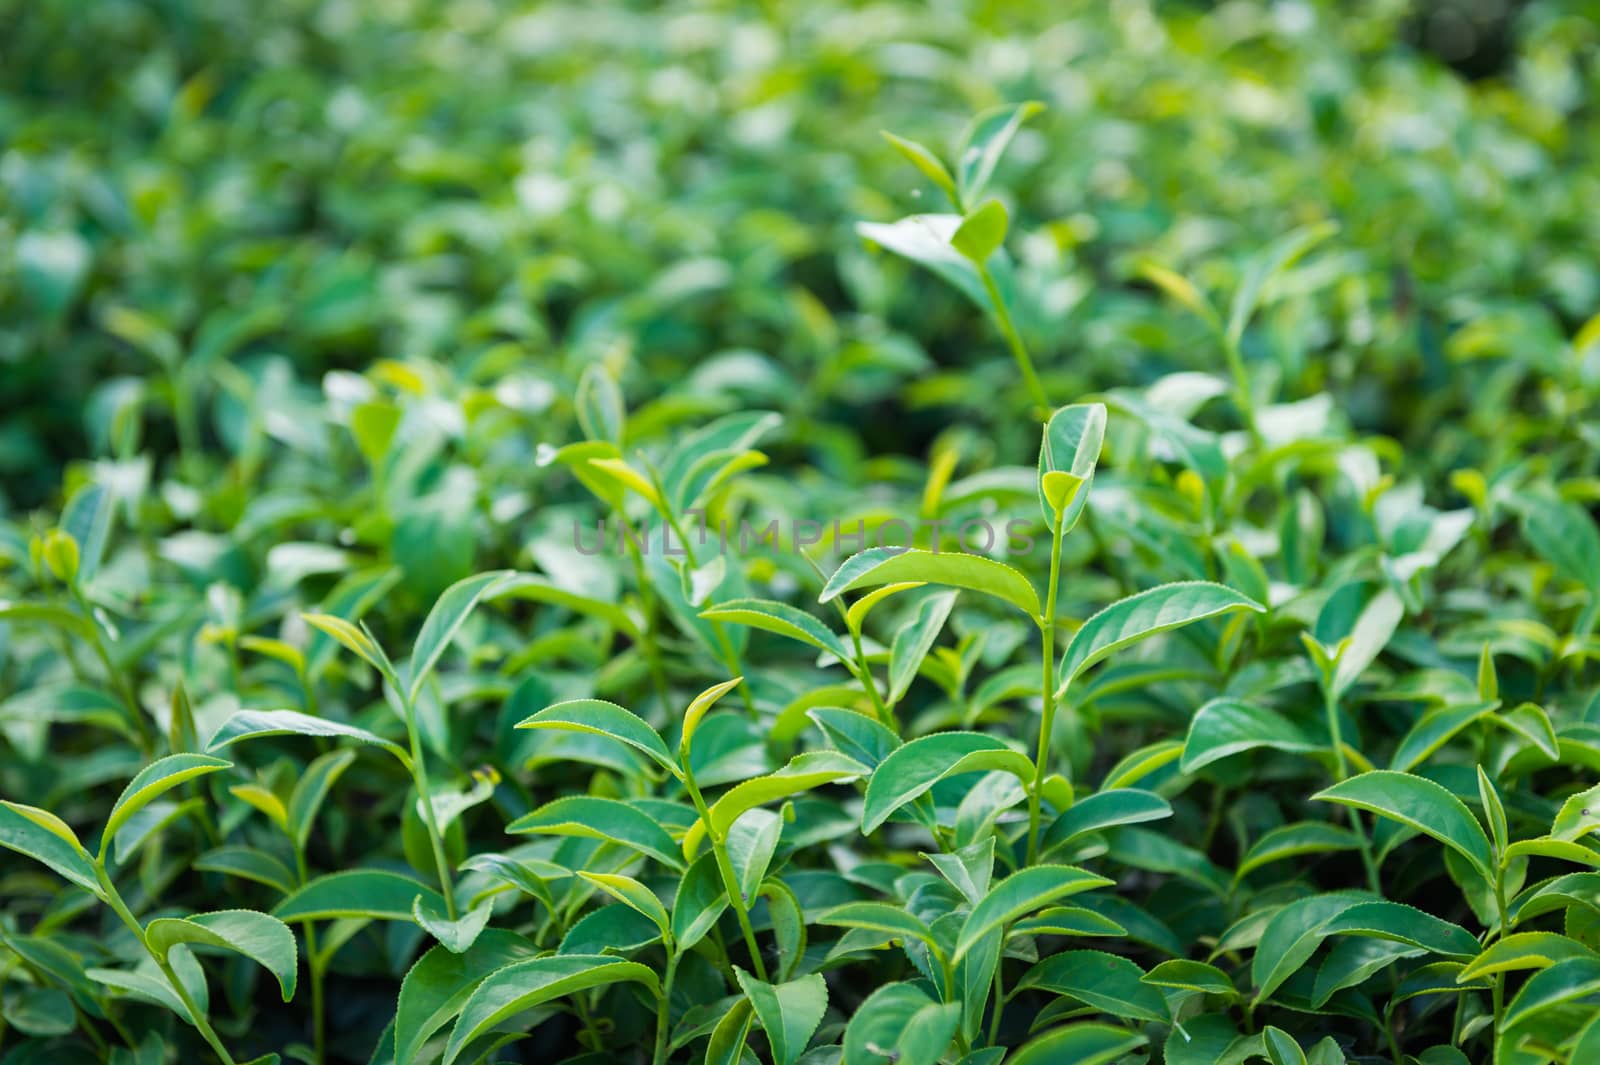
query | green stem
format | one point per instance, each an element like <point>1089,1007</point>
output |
<point>430,819</point>
<point>730,879</point>
<point>314,967</point>
<point>1330,707</point>
<point>664,1009</point>
<point>1047,719</point>
<point>114,900</point>
<point>1019,351</point>
<point>864,674</point>
<point>1500,933</point>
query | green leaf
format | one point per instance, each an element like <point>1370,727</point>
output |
<point>633,894</point>
<point>1523,950</point>
<point>44,837</point>
<point>449,613</point>
<point>602,414</point>
<point>893,565</point>
<point>600,718</point>
<point>1564,535</point>
<point>981,232</point>
<point>899,1023</point>
<point>968,869</point>
<point>263,939</point>
<point>87,518</point>
<point>1276,258</point>
<point>1225,727</point>
<point>788,1012</point>
<point>1070,448</point>
<point>46,614</point>
<point>697,709</point>
<point>1373,629</point>
<point>1565,981</point>
<point>249,863</point>
<point>154,780</point>
<point>1420,804</point>
<point>522,985</point>
<point>1579,815</point>
<point>925,161</point>
<point>612,820</point>
<point>911,770</point>
<point>1185,975</point>
<point>1281,1047</point>
<point>879,917</point>
<point>311,789</point>
<point>726,1045</point>
<point>1159,609</point>
<point>439,984</point>
<point>802,773</point>
<point>912,642</point>
<point>781,618</point>
<point>700,900</point>
<point>985,141</point>
<point>1400,923</point>
<point>455,934</point>
<point>371,893</point>
<point>1295,841</point>
<point>1291,936</point>
<point>1020,894</point>
<point>252,724</point>
<point>1433,730</point>
<point>1105,809</point>
<point>1109,983</point>
<point>353,639</point>
<point>925,240</point>
<point>1079,1044</point>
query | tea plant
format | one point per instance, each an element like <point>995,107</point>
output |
<point>661,570</point>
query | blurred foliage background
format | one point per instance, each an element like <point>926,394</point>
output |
<point>205,208</point>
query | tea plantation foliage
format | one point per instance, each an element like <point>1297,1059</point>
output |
<point>1231,371</point>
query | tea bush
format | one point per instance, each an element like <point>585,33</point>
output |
<point>543,534</point>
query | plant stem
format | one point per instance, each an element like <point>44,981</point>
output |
<point>664,1008</point>
<point>430,819</point>
<point>115,901</point>
<point>1019,351</point>
<point>730,879</point>
<point>1047,718</point>
<point>314,967</point>
<point>1500,933</point>
<point>1330,706</point>
<point>864,674</point>
<point>999,997</point>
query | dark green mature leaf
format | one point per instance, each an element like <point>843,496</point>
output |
<point>1109,983</point>
<point>522,985</point>
<point>900,1023</point>
<point>1225,727</point>
<point>1156,610</point>
<point>600,718</point>
<point>1079,1044</point>
<point>1020,894</point>
<point>911,770</point>
<point>251,724</point>
<point>258,936</point>
<point>1420,804</point>
<point>788,1012</point>
<point>369,893</point>
<point>449,613</point>
<point>781,618</point>
<point>606,819</point>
